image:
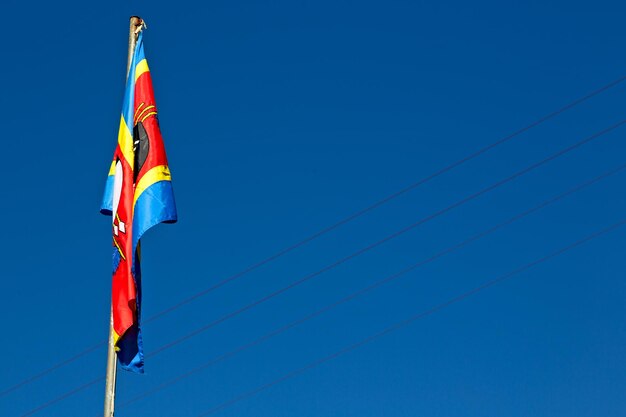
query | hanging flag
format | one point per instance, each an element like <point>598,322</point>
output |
<point>138,195</point>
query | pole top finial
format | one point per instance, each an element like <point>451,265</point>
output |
<point>138,24</point>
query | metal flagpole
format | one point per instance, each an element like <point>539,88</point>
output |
<point>136,24</point>
<point>109,393</point>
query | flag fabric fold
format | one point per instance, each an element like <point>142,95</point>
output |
<point>138,195</point>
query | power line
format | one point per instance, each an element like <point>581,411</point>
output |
<point>385,239</point>
<point>411,319</point>
<point>388,238</point>
<point>63,396</point>
<point>332,227</point>
<point>51,369</point>
<point>371,287</point>
<point>387,199</point>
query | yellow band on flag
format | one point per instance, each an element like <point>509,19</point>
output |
<point>141,67</point>
<point>156,174</point>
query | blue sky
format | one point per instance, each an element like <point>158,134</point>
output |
<point>280,119</point>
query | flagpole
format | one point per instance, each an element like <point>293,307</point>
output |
<point>136,23</point>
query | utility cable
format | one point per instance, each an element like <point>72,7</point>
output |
<point>384,240</point>
<point>369,288</point>
<point>410,320</point>
<point>332,227</point>
<point>376,244</point>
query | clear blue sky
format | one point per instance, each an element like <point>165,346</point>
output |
<point>281,118</point>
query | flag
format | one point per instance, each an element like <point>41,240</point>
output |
<point>138,195</point>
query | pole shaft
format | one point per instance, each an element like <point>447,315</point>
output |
<point>109,393</point>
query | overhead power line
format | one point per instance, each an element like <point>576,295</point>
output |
<point>410,320</point>
<point>386,239</point>
<point>63,396</point>
<point>330,228</point>
<point>382,241</point>
<point>388,198</point>
<point>369,288</point>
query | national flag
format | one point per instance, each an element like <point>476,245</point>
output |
<point>138,195</point>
